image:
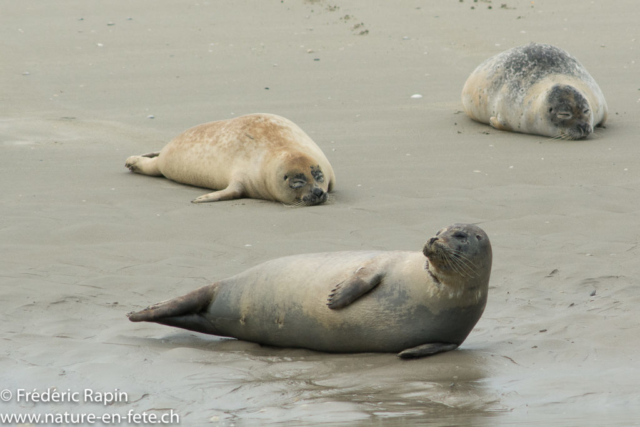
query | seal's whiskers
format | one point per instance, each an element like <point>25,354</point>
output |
<point>462,261</point>
<point>456,266</point>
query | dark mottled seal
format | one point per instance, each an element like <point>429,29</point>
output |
<point>537,89</point>
<point>370,301</point>
<point>261,156</point>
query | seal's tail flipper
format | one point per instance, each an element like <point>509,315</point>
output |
<point>186,312</point>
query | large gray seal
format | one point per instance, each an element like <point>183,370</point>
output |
<point>348,302</point>
<point>538,89</point>
<point>261,156</point>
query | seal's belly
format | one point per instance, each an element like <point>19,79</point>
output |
<point>376,327</point>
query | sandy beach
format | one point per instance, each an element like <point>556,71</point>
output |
<point>84,85</point>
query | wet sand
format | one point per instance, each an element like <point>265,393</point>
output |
<point>83,241</point>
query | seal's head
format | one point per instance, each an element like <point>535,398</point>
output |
<point>459,254</point>
<point>301,181</point>
<point>568,111</point>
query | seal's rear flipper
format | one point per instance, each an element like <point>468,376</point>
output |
<point>426,350</point>
<point>186,312</point>
<point>147,164</point>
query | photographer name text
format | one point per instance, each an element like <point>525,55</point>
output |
<point>85,396</point>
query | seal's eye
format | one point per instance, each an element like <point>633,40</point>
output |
<point>564,115</point>
<point>479,237</point>
<point>551,110</point>
<point>586,111</point>
<point>286,177</point>
<point>297,181</point>
<point>459,235</point>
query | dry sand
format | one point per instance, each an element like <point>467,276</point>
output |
<point>84,242</point>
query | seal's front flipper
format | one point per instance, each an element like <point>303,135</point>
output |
<point>233,191</point>
<point>351,289</point>
<point>499,123</point>
<point>426,350</point>
<point>186,312</point>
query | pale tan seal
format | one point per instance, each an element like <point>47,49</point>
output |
<point>261,156</point>
<point>369,301</point>
<point>538,89</point>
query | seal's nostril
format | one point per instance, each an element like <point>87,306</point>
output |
<point>432,240</point>
<point>317,192</point>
